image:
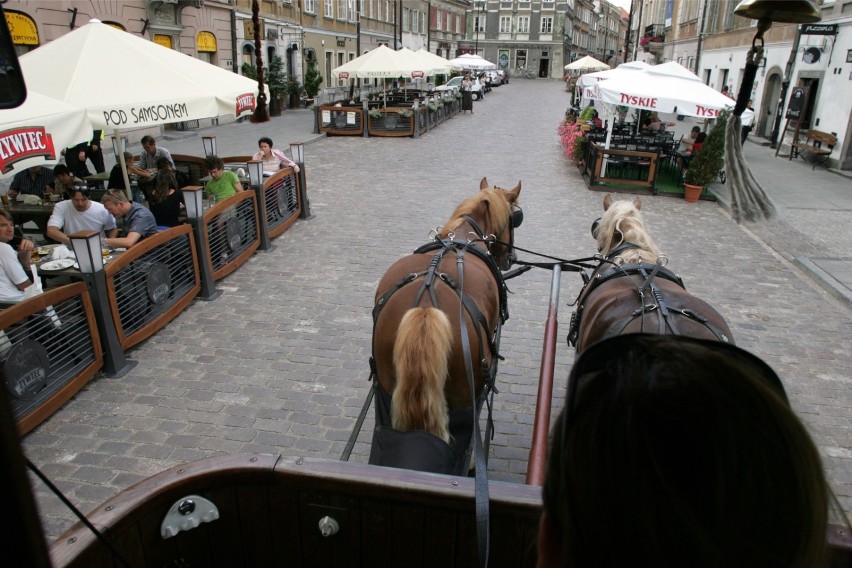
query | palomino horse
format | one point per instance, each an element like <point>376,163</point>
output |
<point>631,290</point>
<point>419,347</point>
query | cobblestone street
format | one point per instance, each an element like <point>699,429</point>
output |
<point>279,362</point>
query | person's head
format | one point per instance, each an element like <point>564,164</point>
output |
<point>34,170</point>
<point>674,451</point>
<point>265,145</point>
<point>62,174</point>
<point>701,137</point>
<point>694,132</point>
<point>724,89</point>
<point>164,164</point>
<point>128,159</point>
<point>655,117</point>
<point>215,166</point>
<point>7,226</point>
<point>149,144</point>
<point>79,195</point>
<point>116,203</point>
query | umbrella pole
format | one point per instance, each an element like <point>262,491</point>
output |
<point>608,138</point>
<point>123,163</point>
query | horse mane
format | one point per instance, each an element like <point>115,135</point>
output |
<point>623,223</point>
<point>489,208</point>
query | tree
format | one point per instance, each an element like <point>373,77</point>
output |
<point>313,80</point>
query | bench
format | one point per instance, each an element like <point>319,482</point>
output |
<point>813,144</point>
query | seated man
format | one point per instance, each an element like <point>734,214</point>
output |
<point>148,163</point>
<point>64,180</point>
<point>225,183</point>
<point>36,180</point>
<point>139,222</point>
<point>79,213</point>
<point>116,177</point>
<point>14,264</point>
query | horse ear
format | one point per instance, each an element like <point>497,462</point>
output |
<point>637,203</point>
<point>607,201</point>
<point>483,184</point>
<point>514,193</point>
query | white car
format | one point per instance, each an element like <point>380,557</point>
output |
<point>454,84</point>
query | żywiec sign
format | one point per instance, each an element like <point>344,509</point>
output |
<point>245,102</point>
<point>21,143</point>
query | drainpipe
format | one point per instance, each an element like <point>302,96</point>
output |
<point>700,38</point>
<point>639,22</point>
<point>234,64</point>
<point>627,38</point>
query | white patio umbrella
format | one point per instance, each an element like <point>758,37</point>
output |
<point>379,63</point>
<point>124,81</point>
<point>591,79</point>
<point>472,62</point>
<point>441,64</point>
<point>586,64</point>
<point>36,132</point>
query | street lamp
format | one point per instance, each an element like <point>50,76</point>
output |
<point>87,250</point>
<point>480,8</point>
<point>193,199</point>
<point>209,145</point>
<point>255,171</point>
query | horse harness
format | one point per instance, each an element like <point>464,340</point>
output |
<point>431,274</point>
<point>668,309</point>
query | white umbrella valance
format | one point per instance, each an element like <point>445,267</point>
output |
<point>469,61</point>
<point>36,132</point>
<point>124,81</point>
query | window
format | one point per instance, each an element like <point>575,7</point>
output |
<point>523,24</point>
<point>405,19</point>
<point>353,12</point>
<point>439,19</point>
<point>341,9</point>
<point>505,24</point>
<point>311,6</point>
<point>521,58</point>
<point>547,24</point>
<point>340,61</point>
<point>329,9</point>
<point>415,21</point>
<point>479,23</point>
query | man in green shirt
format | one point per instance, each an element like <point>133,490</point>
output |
<point>225,183</point>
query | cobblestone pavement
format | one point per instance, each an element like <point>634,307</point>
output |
<point>278,363</point>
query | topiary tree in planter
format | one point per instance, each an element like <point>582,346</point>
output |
<point>706,164</point>
<point>276,80</point>
<point>313,80</point>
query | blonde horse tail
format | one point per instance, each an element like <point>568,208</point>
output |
<point>421,357</point>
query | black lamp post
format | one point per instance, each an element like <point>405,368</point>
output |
<point>87,249</point>
<point>297,151</point>
<point>255,171</point>
<point>193,199</point>
<point>479,8</point>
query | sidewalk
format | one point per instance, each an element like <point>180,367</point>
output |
<point>814,222</point>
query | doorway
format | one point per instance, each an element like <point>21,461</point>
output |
<point>812,83</point>
<point>544,68</point>
<point>769,104</point>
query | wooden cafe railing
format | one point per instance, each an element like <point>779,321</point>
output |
<point>281,197</point>
<point>49,349</point>
<point>341,120</point>
<point>232,232</point>
<point>596,155</point>
<point>152,283</point>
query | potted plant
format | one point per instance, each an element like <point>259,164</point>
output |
<point>313,80</point>
<point>294,91</point>
<point>276,80</point>
<point>706,164</point>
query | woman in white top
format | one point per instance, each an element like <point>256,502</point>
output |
<point>273,159</point>
<point>13,264</point>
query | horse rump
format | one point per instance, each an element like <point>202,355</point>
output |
<point>421,357</point>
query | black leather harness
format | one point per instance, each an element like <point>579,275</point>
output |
<point>668,308</point>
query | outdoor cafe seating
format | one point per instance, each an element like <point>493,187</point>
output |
<point>107,301</point>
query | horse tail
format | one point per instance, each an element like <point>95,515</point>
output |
<point>421,358</point>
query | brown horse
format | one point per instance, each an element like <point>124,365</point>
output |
<point>631,291</point>
<point>421,300</point>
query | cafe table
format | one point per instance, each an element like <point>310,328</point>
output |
<point>24,213</point>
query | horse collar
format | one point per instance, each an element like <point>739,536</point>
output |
<point>475,226</point>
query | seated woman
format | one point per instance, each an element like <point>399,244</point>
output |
<point>272,158</point>
<point>673,451</point>
<point>686,155</point>
<point>225,183</point>
<point>116,177</point>
<point>165,200</point>
<point>14,264</point>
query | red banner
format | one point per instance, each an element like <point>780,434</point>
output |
<point>24,142</point>
<point>245,102</point>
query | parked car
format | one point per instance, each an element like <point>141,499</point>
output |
<point>454,84</point>
<point>504,76</point>
<point>494,78</point>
